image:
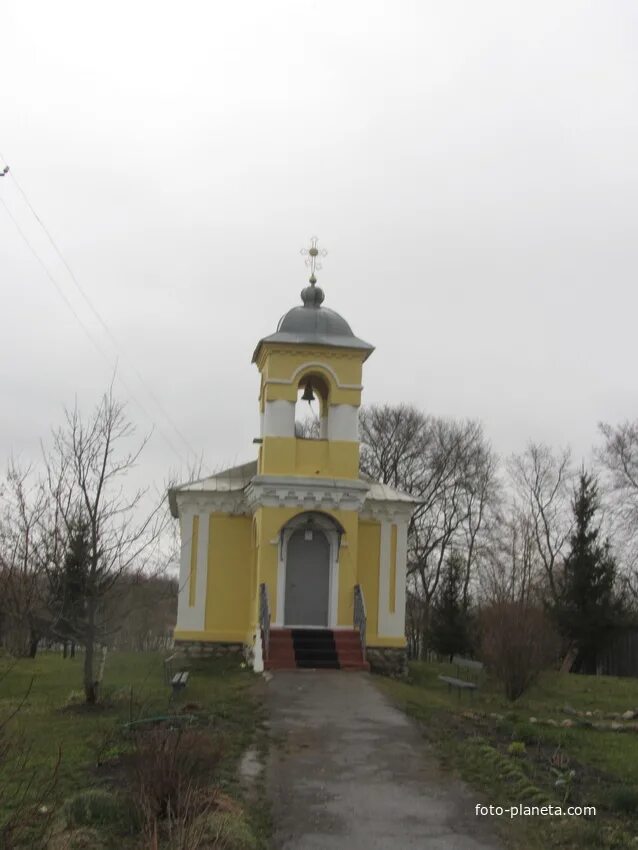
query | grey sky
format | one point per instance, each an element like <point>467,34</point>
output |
<point>470,167</point>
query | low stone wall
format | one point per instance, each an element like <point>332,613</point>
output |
<point>388,660</point>
<point>208,649</point>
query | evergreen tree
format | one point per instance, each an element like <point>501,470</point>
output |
<point>450,621</point>
<point>69,586</point>
<point>588,608</point>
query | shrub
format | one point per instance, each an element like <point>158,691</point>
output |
<point>79,839</point>
<point>517,642</point>
<point>229,830</point>
<point>526,732</point>
<point>172,771</point>
<point>96,807</point>
<point>625,799</point>
<point>516,748</point>
<point>75,698</point>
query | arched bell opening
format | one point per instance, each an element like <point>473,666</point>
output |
<point>308,571</point>
<point>311,409</point>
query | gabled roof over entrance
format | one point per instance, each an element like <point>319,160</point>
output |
<point>237,478</point>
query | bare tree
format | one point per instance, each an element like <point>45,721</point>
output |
<point>23,548</point>
<point>482,501</point>
<point>542,481</point>
<point>394,439</point>
<point>618,457</point>
<point>85,471</point>
<point>308,429</point>
<point>449,468</point>
<point>144,609</point>
<point>511,569</point>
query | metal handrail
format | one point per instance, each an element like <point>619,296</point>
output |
<point>264,619</point>
<point>360,617</point>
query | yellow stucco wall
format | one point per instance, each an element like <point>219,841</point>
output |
<point>280,364</point>
<point>230,568</point>
<point>243,551</point>
<point>322,458</point>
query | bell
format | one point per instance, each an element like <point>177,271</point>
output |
<point>307,393</point>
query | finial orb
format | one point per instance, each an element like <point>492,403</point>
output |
<point>312,296</point>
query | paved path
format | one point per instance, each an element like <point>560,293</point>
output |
<point>349,770</point>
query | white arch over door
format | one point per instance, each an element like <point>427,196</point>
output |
<point>333,534</point>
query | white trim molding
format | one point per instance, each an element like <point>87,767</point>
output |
<point>310,493</point>
<point>212,501</point>
<point>313,364</point>
<point>378,510</point>
<point>327,527</point>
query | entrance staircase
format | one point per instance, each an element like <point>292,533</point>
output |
<point>315,649</point>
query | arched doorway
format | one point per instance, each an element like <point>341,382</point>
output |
<point>307,579</point>
<point>308,572</point>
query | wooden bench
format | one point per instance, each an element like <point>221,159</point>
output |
<point>176,680</point>
<point>468,667</point>
<point>464,667</point>
<point>459,684</point>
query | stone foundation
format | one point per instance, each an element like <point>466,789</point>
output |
<point>208,649</point>
<point>388,660</point>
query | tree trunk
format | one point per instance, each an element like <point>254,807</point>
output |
<point>65,649</point>
<point>90,685</point>
<point>34,640</point>
<point>72,649</point>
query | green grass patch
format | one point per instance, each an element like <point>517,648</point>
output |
<point>91,742</point>
<point>509,755</point>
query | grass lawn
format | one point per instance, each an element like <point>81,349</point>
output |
<point>474,735</point>
<point>52,720</point>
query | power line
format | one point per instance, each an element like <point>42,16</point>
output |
<point>99,318</point>
<point>78,319</point>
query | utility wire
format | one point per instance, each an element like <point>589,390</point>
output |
<point>98,316</point>
<point>77,317</point>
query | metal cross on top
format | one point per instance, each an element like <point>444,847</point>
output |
<point>311,254</point>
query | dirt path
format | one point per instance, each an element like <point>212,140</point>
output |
<point>349,770</point>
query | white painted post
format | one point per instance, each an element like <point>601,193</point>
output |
<point>258,655</point>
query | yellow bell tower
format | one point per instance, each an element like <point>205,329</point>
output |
<point>312,355</point>
<point>315,353</point>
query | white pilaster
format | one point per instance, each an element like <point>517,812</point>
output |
<point>185,532</point>
<point>192,618</point>
<point>402,565</point>
<point>384,578</point>
<point>343,422</point>
<point>392,623</point>
<point>279,419</point>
